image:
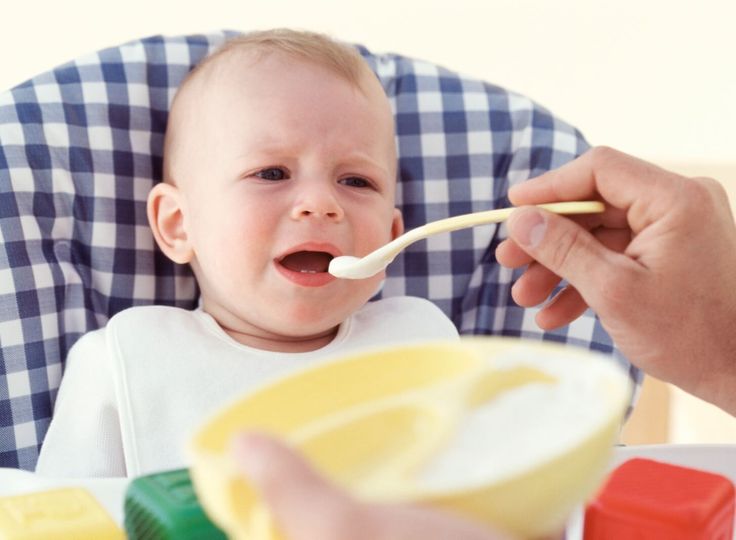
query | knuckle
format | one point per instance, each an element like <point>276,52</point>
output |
<point>565,247</point>
<point>615,288</point>
<point>627,285</point>
<point>713,187</point>
<point>702,193</point>
<point>602,155</point>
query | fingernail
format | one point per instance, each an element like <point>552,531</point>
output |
<point>527,227</point>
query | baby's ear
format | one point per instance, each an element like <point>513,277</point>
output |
<point>397,225</point>
<point>166,218</point>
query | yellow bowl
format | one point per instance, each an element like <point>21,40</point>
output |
<point>376,423</point>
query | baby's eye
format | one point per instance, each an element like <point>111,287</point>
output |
<point>272,173</point>
<point>355,181</point>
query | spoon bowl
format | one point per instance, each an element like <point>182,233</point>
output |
<point>349,267</point>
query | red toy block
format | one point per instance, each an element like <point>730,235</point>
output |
<point>646,499</point>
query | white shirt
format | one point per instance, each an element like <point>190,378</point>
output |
<point>134,392</point>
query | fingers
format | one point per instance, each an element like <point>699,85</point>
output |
<point>537,282</point>
<point>621,180</point>
<point>534,286</point>
<point>564,249</point>
<point>307,507</point>
<point>408,522</point>
<point>266,462</point>
<point>510,255</point>
<point>564,308</point>
<point>298,498</point>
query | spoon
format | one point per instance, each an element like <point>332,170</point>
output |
<point>349,267</point>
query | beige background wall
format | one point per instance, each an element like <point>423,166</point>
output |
<point>655,78</point>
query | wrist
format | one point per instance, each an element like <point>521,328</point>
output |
<point>724,394</point>
<point>719,386</point>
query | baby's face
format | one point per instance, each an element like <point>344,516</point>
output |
<point>291,166</point>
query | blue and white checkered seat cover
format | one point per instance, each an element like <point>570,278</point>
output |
<point>80,147</point>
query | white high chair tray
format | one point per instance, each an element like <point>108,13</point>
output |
<point>110,492</point>
<point>716,458</point>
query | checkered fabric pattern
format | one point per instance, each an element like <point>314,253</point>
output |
<point>80,147</point>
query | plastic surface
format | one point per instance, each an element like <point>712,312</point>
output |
<point>62,514</point>
<point>164,506</point>
<point>644,498</point>
<point>372,420</point>
<point>109,492</point>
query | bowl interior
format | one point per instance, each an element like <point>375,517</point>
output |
<point>370,420</point>
<point>316,392</point>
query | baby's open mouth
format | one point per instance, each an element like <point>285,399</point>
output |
<point>307,262</point>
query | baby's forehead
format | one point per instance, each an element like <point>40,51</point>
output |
<point>236,63</point>
<point>206,96</point>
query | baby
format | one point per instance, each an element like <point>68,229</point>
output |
<point>279,156</point>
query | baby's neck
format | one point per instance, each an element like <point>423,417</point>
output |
<point>287,344</point>
<point>252,335</point>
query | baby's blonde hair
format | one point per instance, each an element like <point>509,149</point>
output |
<point>341,59</point>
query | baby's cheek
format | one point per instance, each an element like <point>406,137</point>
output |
<point>374,235</point>
<point>370,287</point>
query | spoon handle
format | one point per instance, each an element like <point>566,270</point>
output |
<point>360,268</point>
<point>489,216</point>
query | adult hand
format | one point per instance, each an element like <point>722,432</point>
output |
<point>307,507</point>
<point>658,266</point>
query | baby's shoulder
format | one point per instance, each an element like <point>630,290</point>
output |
<point>145,320</point>
<point>144,313</point>
<point>141,326</point>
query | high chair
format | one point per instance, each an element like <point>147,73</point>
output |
<point>81,146</point>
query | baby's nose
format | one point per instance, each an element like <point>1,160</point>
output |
<point>318,203</point>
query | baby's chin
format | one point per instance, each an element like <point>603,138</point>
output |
<point>307,322</point>
<point>308,326</point>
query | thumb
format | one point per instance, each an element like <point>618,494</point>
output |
<point>298,498</point>
<point>562,246</point>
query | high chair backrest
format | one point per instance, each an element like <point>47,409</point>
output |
<point>81,145</point>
